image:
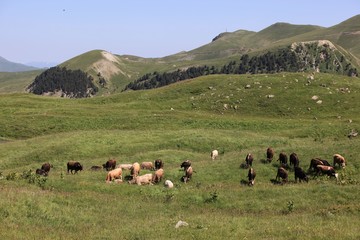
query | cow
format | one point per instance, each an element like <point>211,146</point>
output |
<point>283,158</point>
<point>96,168</point>
<point>46,167</point>
<point>114,174</point>
<point>74,166</point>
<point>127,166</point>
<point>340,160</point>
<point>135,170</point>
<point>41,172</point>
<point>158,175</point>
<point>214,154</point>
<point>282,173</point>
<point>300,174</point>
<point>109,165</point>
<point>143,179</point>
<point>269,154</point>
<point>168,184</point>
<point>317,161</point>
<point>185,164</point>
<point>294,160</point>
<point>147,165</point>
<point>158,164</point>
<point>251,176</point>
<point>328,170</point>
<point>249,159</point>
<point>188,174</point>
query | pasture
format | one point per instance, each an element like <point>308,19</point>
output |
<point>236,114</point>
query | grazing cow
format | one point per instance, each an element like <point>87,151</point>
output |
<point>135,170</point>
<point>74,166</point>
<point>249,159</point>
<point>147,165</point>
<point>283,158</point>
<point>168,184</point>
<point>340,160</point>
<point>158,175</point>
<point>251,176</point>
<point>46,167</point>
<point>317,161</point>
<point>282,173</point>
<point>185,164</point>
<point>328,170</point>
<point>41,172</point>
<point>294,160</point>
<point>114,174</point>
<point>269,154</point>
<point>143,179</point>
<point>110,165</point>
<point>214,154</point>
<point>96,168</point>
<point>158,164</point>
<point>126,166</point>
<point>188,174</point>
<point>300,174</point>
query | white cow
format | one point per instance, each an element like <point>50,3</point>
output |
<point>214,154</point>
<point>168,184</point>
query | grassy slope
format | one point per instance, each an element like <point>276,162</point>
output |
<point>16,82</point>
<point>140,126</point>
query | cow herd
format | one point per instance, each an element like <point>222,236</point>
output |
<point>317,167</point>
<point>131,171</point>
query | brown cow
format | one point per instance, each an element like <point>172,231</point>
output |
<point>283,158</point>
<point>282,173</point>
<point>114,174</point>
<point>41,172</point>
<point>249,159</point>
<point>269,154</point>
<point>110,165</point>
<point>328,170</point>
<point>158,164</point>
<point>317,161</point>
<point>74,166</point>
<point>340,160</point>
<point>46,167</point>
<point>158,175</point>
<point>300,174</point>
<point>294,160</point>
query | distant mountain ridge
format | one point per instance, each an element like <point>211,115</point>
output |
<point>8,66</point>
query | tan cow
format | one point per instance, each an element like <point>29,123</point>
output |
<point>188,174</point>
<point>143,179</point>
<point>135,170</point>
<point>147,165</point>
<point>214,154</point>
<point>114,174</point>
<point>340,160</point>
<point>158,175</point>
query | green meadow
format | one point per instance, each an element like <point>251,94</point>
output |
<point>236,114</point>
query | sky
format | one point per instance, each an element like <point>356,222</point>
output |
<point>40,32</point>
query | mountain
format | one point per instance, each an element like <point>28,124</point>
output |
<point>111,73</point>
<point>7,66</point>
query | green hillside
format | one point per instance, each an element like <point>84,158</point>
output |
<point>235,114</point>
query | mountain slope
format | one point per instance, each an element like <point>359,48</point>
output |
<point>7,66</point>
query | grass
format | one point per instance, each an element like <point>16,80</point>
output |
<point>140,126</point>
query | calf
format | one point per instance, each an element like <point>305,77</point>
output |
<point>340,160</point>
<point>114,174</point>
<point>294,160</point>
<point>300,174</point>
<point>328,170</point>
<point>269,154</point>
<point>282,173</point>
<point>249,159</point>
<point>251,176</point>
<point>110,165</point>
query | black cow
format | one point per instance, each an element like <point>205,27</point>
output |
<point>249,159</point>
<point>294,160</point>
<point>74,166</point>
<point>158,164</point>
<point>269,154</point>
<point>251,176</point>
<point>300,174</point>
<point>282,173</point>
<point>41,172</point>
<point>110,165</point>
<point>328,170</point>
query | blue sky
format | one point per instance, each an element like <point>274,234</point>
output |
<point>57,30</point>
